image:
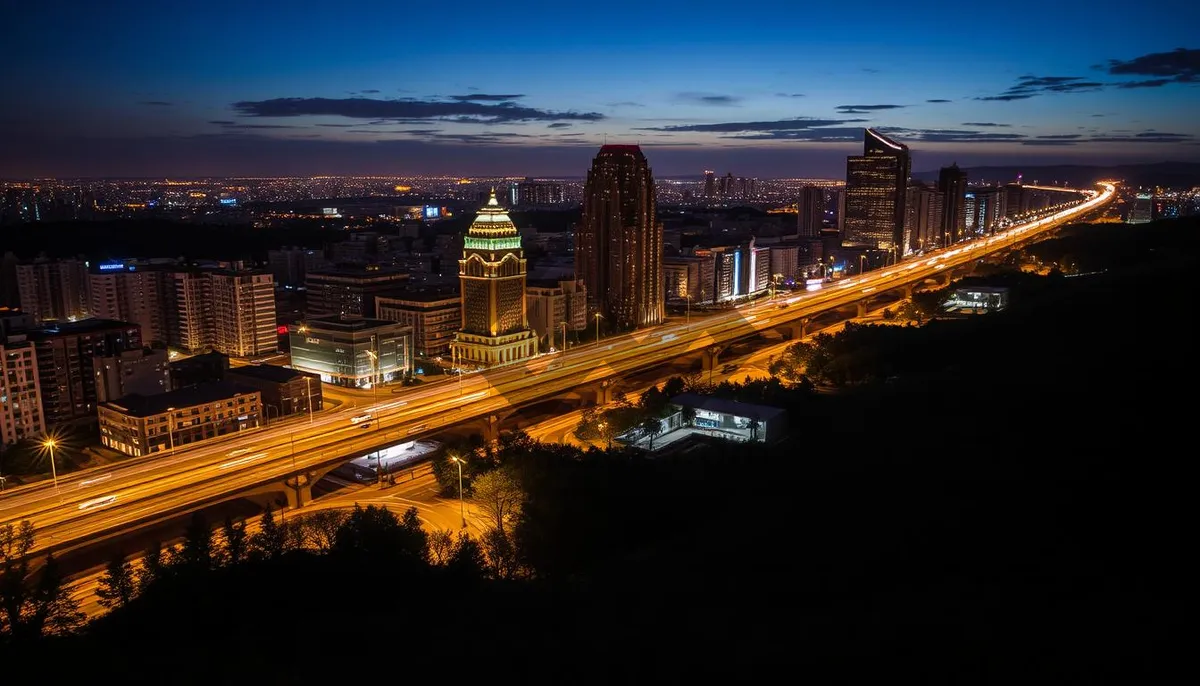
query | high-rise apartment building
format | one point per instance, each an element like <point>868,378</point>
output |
<point>132,293</point>
<point>495,324</point>
<point>53,290</point>
<point>985,209</point>
<point>290,266</point>
<point>350,291</point>
<point>189,314</point>
<point>923,225</point>
<point>535,193</point>
<point>65,352</point>
<point>710,185</point>
<point>952,182</point>
<point>20,393</point>
<point>556,308</point>
<point>875,193</point>
<point>243,306</point>
<point>618,243</point>
<point>810,212</point>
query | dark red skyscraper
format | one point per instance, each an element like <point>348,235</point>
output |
<point>618,244</point>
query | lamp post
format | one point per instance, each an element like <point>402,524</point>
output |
<point>564,336</point>
<point>171,430</point>
<point>295,474</point>
<point>308,386</point>
<point>461,510</point>
<point>862,259</point>
<point>689,312</point>
<point>598,317</point>
<point>374,375</point>
<point>49,444</point>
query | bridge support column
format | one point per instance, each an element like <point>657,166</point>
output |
<point>861,309</point>
<point>299,490</point>
<point>604,392</point>
<point>908,291</point>
<point>796,330</point>
<point>491,428</point>
<point>711,358</point>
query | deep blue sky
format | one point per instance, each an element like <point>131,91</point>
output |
<point>757,88</point>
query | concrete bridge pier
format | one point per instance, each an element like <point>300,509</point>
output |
<point>796,330</point>
<point>298,489</point>
<point>711,358</point>
<point>908,291</point>
<point>861,308</point>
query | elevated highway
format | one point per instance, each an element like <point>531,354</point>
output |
<point>292,455</point>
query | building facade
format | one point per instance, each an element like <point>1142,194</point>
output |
<point>952,183</point>
<point>145,372</point>
<point>536,193</point>
<point>810,212</point>
<point>243,307</point>
<point>350,292</point>
<point>20,393</point>
<point>618,242</point>
<point>65,352</point>
<point>53,290</point>
<point>131,293</point>
<point>875,193</point>
<point>284,391</point>
<point>145,424</point>
<point>352,351</point>
<point>924,215</point>
<point>495,322</point>
<point>433,316</point>
<point>556,308</point>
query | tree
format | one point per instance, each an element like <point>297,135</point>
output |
<point>888,314</point>
<point>153,568</point>
<point>674,386</point>
<point>15,544</point>
<point>118,586</point>
<point>196,553</point>
<point>319,528</point>
<point>467,558</point>
<point>500,553</point>
<point>652,427</point>
<point>687,414</point>
<point>586,429</point>
<point>653,401</point>
<point>271,540</point>
<point>441,546</point>
<point>234,536</point>
<point>500,495</point>
<point>375,533</point>
<point>54,612</point>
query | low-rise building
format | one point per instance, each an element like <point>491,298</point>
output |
<point>144,424</point>
<point>284,391</point>
<point>738,420</point>
<point>352,351</point>
<point>198,369</point>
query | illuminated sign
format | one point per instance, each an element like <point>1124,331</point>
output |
<point>432,212</point>
<point>230,202</point>
<point>329,211</point>
<point>111,266</point>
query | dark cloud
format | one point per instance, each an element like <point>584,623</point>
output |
<point>1181,65</point>
<point>559,125</point>
<point>156,103</point>
<point>937,100</point>
<point>865,109</point>
<point>834,134</point>
<point>869,70</point>
<point>1048,142</point>
<point>761,126</point>
<point>1097,115</point>
<point>625,103</point>
<point>1029,86</point>
<point>225,123</point>
<point>338,126</point>
<point>487,97</point>
<point>789,95</point>
<point>1059,136</point>
<point>405,109</point>
<point>709,99</point>
<point>370,91</point>
<point>986,123</point>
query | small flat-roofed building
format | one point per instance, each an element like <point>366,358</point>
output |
<point>143,424</point>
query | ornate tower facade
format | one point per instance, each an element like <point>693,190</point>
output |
<point>495,328</point>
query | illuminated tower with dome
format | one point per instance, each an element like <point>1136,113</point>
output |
<point>495,328</point>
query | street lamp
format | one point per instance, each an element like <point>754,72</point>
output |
<point>689,311</point>
<point>374,375</point>
<point>861,261</point>
<point>308,386</point>
<point>49,445</point>
<point>598,318</point>
<point>461,511</point>
<point>564,336</point>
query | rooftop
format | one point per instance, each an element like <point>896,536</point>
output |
<point>761,413</point>
<point>341,322</point>
<point>270,372</point>
<point>421,295</point>
<point>138,405</point>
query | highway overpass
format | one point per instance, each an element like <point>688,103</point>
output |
<point>290,456</point>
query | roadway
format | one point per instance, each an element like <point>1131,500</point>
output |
<point>106,500</point>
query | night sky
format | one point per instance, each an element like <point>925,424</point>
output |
<point>757,88</point>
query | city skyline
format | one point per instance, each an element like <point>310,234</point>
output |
<point>783,91</point>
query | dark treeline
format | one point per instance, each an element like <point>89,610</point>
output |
<point>1004,510</point>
